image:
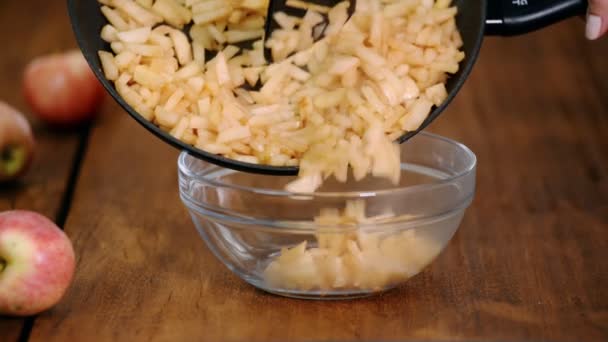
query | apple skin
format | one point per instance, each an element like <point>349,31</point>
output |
<point>16,143</point>
<point>62,90</point>
<point>36,263</point>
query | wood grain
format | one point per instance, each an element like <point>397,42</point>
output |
<point>527,264</point>
<point>25,36</point>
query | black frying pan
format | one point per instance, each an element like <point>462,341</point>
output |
<point>475,18</point>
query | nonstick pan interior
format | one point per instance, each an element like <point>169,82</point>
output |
<point>87,22</point>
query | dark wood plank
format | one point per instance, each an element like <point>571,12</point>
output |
<point>527,263</point>
<point>10,328</point>
<point>27,31</point>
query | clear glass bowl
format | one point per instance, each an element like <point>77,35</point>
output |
<point>388,234</point>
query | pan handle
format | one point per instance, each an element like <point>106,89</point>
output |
<point>513,17</point>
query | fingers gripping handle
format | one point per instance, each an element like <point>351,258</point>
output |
<point>512,17</point>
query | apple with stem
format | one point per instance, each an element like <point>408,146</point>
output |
<point>16,143</point>
<point>36,263</point>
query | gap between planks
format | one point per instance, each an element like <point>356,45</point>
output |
<point>64,208</point>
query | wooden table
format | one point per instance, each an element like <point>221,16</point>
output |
<point>528,263</point>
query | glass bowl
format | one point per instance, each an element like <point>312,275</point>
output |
<point>348,239</point>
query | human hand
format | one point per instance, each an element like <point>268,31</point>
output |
<point>597,19</point>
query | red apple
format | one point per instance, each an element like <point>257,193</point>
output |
<point>16,143</point>
<point>61,89</point>
<point>36,263</point>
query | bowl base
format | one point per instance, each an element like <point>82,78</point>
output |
<point>320,295</point>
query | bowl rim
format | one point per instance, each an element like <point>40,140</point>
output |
<point>471,157</point>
